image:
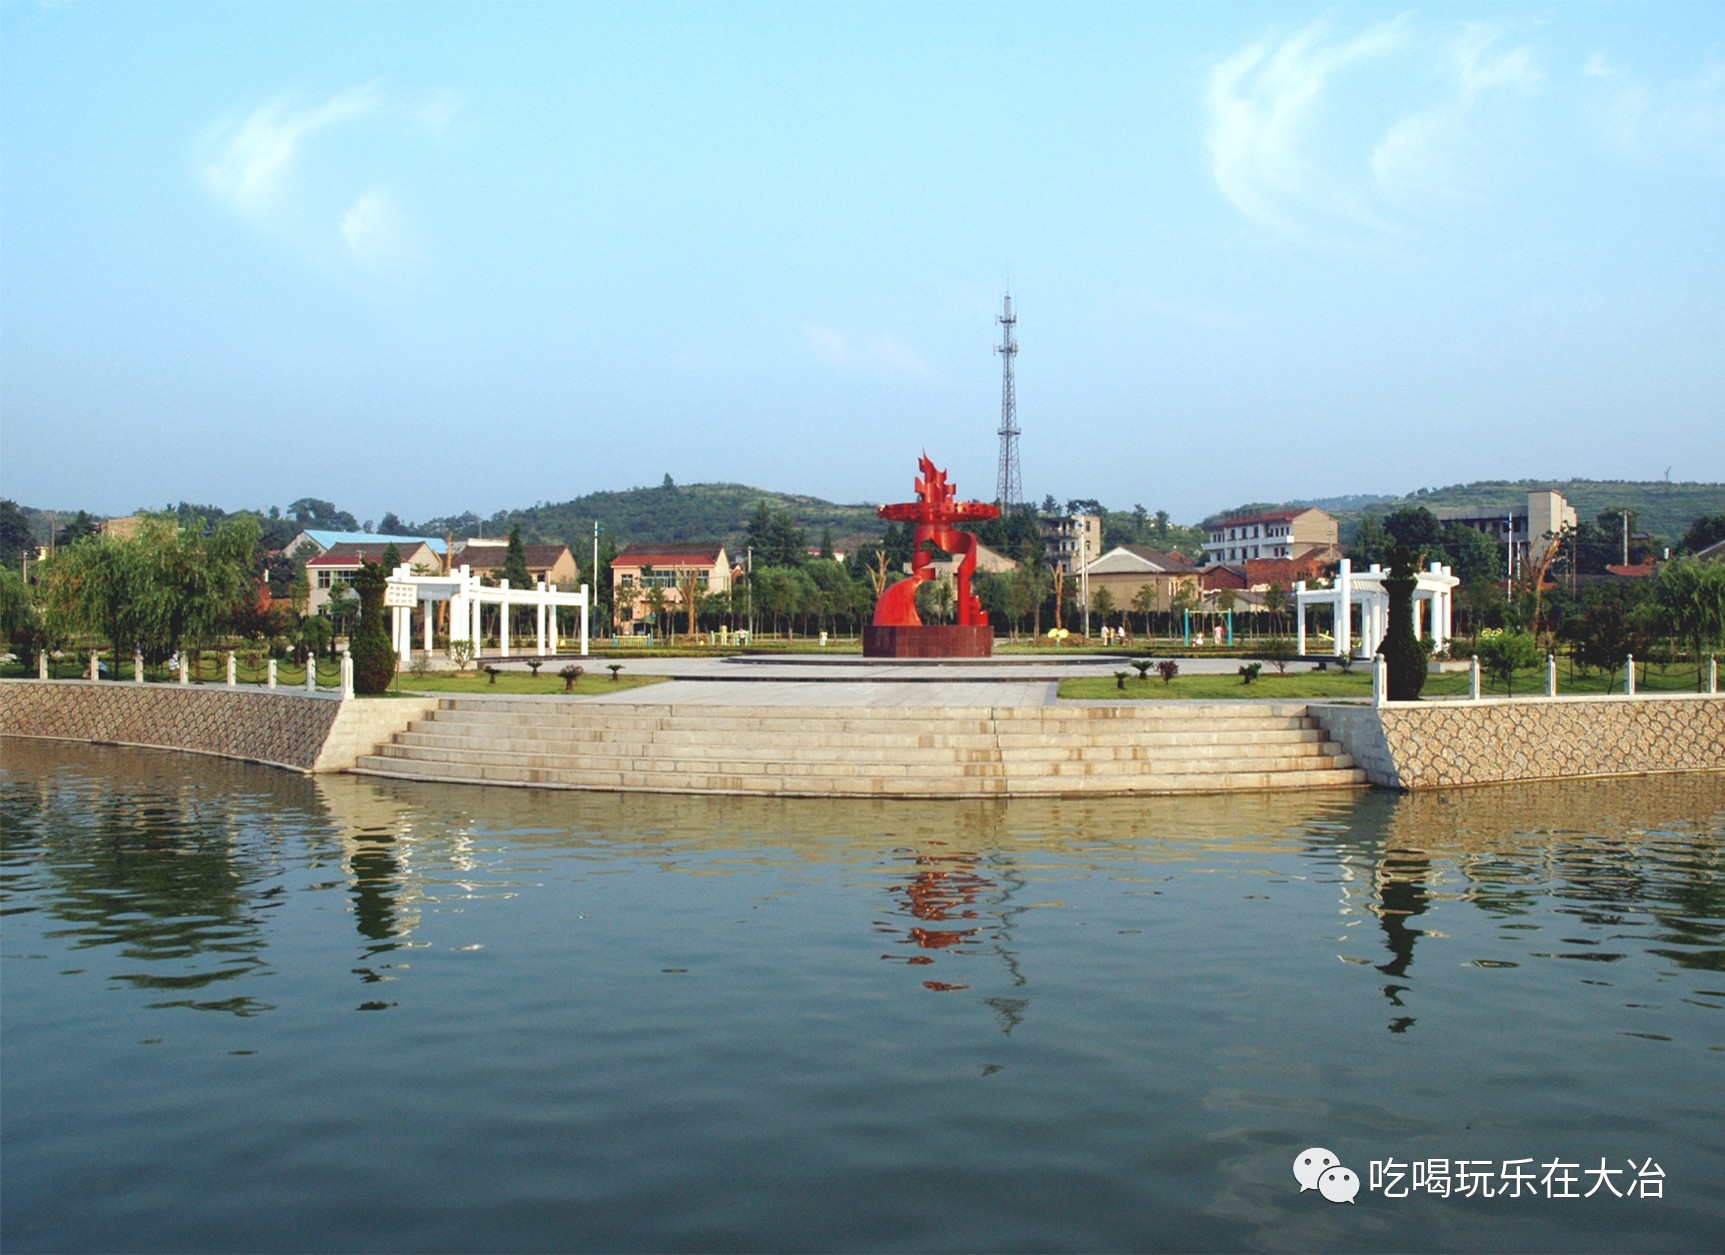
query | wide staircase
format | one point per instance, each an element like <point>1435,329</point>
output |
<point>1049,751</point>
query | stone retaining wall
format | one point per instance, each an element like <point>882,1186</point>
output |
<point>1428,745</point>
<point>279,727</point>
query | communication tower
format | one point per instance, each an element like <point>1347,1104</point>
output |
<point>1009,491</point>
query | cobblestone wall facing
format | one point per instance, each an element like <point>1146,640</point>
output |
<point>283,728</point>
<point>1431,745</point>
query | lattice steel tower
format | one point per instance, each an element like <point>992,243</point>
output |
<point>1009,491</point>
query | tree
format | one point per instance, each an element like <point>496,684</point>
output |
<point>391,525</point>
<point>162,589</point>
<point>1707,530</point>
<point>1102,604</point>
<point>373,655</point>
<point>1144,601</point>
<point>1275,601</point>
<point>15,536</point>
<point>1691,596</point>
<point>1502,654</point>
<point>1404,658</point>
<point>688,590</point>
<point>312,513</point>
<point>1612,625</point>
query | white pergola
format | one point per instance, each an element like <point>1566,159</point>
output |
<point>465,595</point>
<point>1365,589</point>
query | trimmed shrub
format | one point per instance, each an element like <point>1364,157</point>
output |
<point>373,656</point>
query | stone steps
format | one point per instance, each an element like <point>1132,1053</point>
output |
<point>869,752</point>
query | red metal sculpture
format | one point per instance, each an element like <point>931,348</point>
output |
<point>935,513</point>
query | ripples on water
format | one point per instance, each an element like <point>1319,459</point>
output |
<point>245,1010</point>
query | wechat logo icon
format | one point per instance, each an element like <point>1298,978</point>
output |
<point>1318,1169</point>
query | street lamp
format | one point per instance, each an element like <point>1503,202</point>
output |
<point>596,600</point>
<point>1084,578</point>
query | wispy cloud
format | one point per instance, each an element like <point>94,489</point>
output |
<point>1684,114</point>
<point>269,167</point>
<point>881,352</point>
<point>1317,131</point>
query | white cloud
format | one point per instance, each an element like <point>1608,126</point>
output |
<point>1315,132</point>
<point>327,199</point>
<point>247,163</point>
<point>883,352</point>
<point>382,239</point>
<point>1684,115</point>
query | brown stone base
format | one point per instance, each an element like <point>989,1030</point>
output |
<point>926,641</point>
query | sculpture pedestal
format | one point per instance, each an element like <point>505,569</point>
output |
<point>929,641</point>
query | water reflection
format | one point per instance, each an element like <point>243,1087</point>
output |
<point>174,865</point>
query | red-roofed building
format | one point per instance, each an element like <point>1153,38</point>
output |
<point>640,568</point>
<point>1272,534</point>
<point>1634,571</point>
<point>338,565</point>
<point>552,563</point>
<point>1308,565</point>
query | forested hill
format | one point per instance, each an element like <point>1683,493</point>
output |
<point>1661,508</point>
<point>670,512</point>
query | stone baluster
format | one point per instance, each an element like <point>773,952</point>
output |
<point>137,666</point>
<point>346,675</point>
<point>42,664</point>
<point>311,671</point>
<point>1629,676</point>
<point>1380,680</point>
<point>1551,675</point>
<point>1473,677</point>
<point>185,670</point>
<point>1712,673</point>
<point>95,666</point>
<point>233,669</point>
<point>270,680</point>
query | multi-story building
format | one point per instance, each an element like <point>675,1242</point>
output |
<point>1529,531</point>
<point>1071,540</point>
<point>1271,534</point>
<point>638,569</point>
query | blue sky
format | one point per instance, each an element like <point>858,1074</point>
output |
<point>430,258</point>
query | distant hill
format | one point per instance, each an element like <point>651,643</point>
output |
<point>1661,508</point>
<point>671,512</point>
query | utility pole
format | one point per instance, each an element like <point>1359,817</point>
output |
<point>596,530</point>
<point>1008,491</point>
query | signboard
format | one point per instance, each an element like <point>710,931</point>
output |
<point>400,596</point>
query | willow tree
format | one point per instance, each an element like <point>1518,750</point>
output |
<point>162,589</point>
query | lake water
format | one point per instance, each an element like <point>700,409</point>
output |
<point>249,1011</point>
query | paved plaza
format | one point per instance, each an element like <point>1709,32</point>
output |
<point>850,680</point>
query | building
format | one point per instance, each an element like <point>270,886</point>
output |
<point>311,543</point>
<point>1309,565</point>
<point>1126,570</point>
<point>338,564</point>
<point>553,564</point>
<point>1530,530</point>
<point>637,570</point>
<point>1069,541</point>
<point>1271,534</point>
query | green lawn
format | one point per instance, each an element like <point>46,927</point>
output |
<point>1309,685</point>
<point>515,682</point>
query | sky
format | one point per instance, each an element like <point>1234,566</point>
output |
<point>429,258</point>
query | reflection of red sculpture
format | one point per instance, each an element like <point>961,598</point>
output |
<point>934,512</point>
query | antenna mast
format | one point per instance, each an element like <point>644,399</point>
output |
<point>1008,491</point>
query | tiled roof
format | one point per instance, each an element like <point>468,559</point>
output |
<point>1172,563</point>
<point>1273,516</point>
<point>491,557</point>
<point>346,555</point>
<point>669,555</point>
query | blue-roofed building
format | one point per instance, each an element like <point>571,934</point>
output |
<point>322,542</point>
